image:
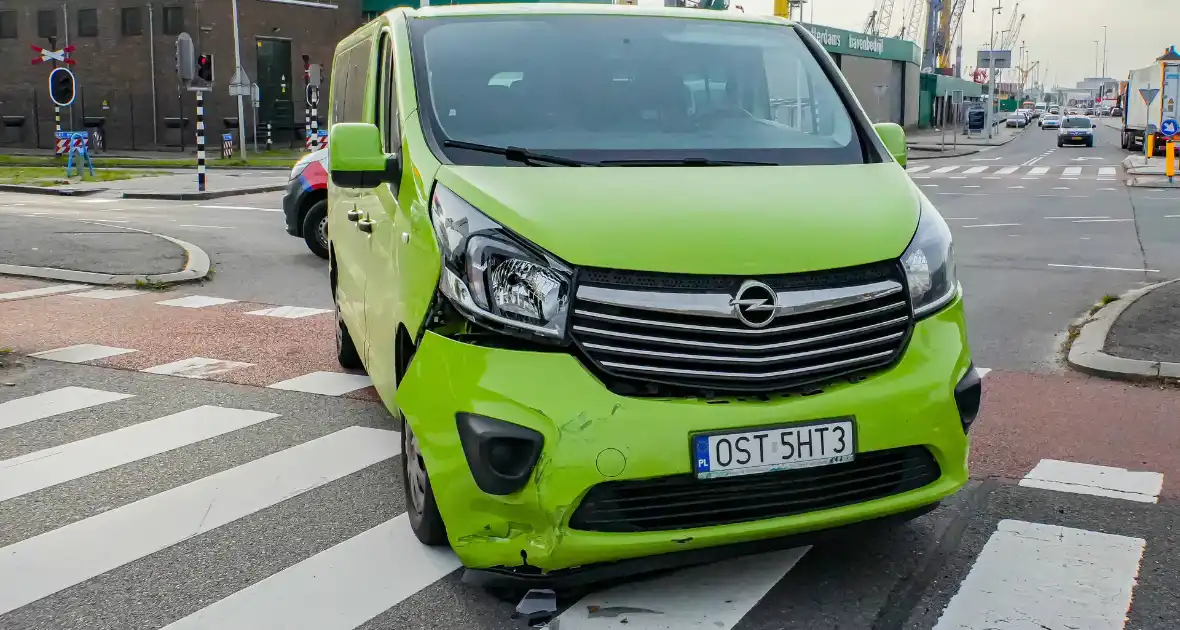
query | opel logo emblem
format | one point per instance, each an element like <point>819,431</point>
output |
<point>755,304</point>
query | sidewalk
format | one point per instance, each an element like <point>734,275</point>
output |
<point>933,143</point>
<point>94,253</point>
<point>178,186</point>
<point>1148,172</point>
<point>1133,338</point>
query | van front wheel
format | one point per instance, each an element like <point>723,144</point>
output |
<point>423,513</point>
<point>346,353</point>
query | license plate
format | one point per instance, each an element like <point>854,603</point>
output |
<point>1077,138</point>
<point>771,449</point>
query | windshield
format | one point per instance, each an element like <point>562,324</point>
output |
<point>1052,118</point>
<point>1077,123</point>
<point>603,88</point>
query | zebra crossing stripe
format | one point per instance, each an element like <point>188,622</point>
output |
<point>917,168</point>
<point>1037,171</point>
<point>1047,576</point>
<point>59,464</point>
<point>52,403</point>
<point>974,170</point>
<point>339,588</point>
<point>1072,171</point>
<point>42,565</point>
<point>1107,171</point>
<point>712,597</point>
<point>1007,170</point>
<point>50,290</point>
<point>1101,481</point>
<point>944,169</point>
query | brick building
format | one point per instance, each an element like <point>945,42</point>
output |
<point>126,68</point>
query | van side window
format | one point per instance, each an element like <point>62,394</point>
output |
<point>339,87</point>
<point>358,71</point>
<point>387,116</point>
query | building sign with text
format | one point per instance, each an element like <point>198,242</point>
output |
<point>839,41</point>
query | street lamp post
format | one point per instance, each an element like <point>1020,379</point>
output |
<point>991,70</point>
<point>238,66</point>
<point>1096,42</point>
<point>1104,51</point>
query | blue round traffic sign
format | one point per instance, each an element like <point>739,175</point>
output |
<point>1169,127</point>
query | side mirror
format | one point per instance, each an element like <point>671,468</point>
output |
<point>1095,125</point>
<point>356,158</point>
<point>894,138</point>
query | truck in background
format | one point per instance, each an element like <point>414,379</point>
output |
<point>1137,115</point>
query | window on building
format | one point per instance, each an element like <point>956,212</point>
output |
<point>87,23</point>
<point>132,21</point>
<point>7,24</point>
<point>47,24</point>
<point>173,20</point>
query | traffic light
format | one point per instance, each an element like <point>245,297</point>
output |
<point>205,68</point>
<point>61,87</point>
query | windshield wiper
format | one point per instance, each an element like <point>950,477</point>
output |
<point>517,154</point>
<point>691,161</point>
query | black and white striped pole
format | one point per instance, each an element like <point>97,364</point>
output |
<point>315,123</point>
<point>200,141</point>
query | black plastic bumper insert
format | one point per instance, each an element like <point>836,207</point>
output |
<point>501,455</point>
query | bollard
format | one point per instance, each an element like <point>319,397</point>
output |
<point>268,137</point>
<point>1149,144</point>
<point>1170,156</point>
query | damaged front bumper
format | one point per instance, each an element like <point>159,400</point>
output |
<point>591,436</point>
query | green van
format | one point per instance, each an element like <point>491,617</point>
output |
<point>643,286</point>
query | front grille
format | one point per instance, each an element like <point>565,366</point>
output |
<point>683,331</point>
<point>685,502</point>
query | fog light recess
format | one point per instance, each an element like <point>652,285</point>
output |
<point>501,455</point>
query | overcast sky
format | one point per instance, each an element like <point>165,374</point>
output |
<point>1058,33</point>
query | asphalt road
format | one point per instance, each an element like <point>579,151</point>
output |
<point>263,504</point>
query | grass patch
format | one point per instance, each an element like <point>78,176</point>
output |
<point>151,285</point>
<point>283,158</point>
<point>1106,299</point>
<point>56,175</point>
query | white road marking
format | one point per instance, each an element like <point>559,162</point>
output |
<point>1007,170</point>
<point>1101,481</point>
<point>51,403</point>
<point>289,312</point>
<point>929,185</point>
<point>1108,189</point>
<point>1031,575</point>
<point>962,194</point>
<point>1163,198</point>
<point>1102,220</point>
<point>339,588</point>
<point>712,597</point>
<point>326,383</point>
<point>196,367</point>
<point>1107,171</point>
<point>919,177</point>
<point>971,186</point>
<point>206,227</point>
<point>195,301</point>
<point>975,169</point>
<point>960,219</point>
<point>38,292</point>
<point>81,353</point>
<point>1061,188</point>
<point>109,294</point>
<point>42,565</point>
<point>958,177</point>
<point>110,220</point>
<point>241,208</point>
<point>984,159</point>
<point>982,372</point>
<point>979,225</point>
<point>917,168</point>
<point>1072,171</point>
<point>1016,187</point>
<point>1103,268</point>
<point>94,200</point>
<point>1172,216</point>
<point>944,169</point>
<point>1038,171</point>
<point>1075,218</point>
<point>59,464</point>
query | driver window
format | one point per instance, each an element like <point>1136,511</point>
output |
<point>387,118</point>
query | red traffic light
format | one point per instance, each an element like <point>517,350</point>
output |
<point>205,68</point>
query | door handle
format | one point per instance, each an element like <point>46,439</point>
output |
<point>354,215</point>
<point>365,225</point>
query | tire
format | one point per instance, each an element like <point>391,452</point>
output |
<point>315,228</point>
<point>421,508</point>
<point>1060,144</point>
<point>346,353</point>
<point>1123,141</point>
<point>1090,143</point>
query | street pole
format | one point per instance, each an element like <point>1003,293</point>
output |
<point>237,66</point>
<point>991,71</point>
<point>1104,49</point>
<point>1096,42</point>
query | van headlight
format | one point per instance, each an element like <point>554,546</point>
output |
<point>495,277</point>
<point>929,263</point>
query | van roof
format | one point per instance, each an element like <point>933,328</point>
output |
<point>558,8</point>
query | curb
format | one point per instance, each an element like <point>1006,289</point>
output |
<point>49,190</point>
<point>940,154</point>
<point>208,194</point>
<point>196,267</point>
<point>1087,355</point>
<point>1150,181</point>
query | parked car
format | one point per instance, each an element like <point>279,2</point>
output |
<point>1116,111</point>
<point>1076,130</point>
<point>305,203</point>
<point>553,343</point>
<point>1050,121</point>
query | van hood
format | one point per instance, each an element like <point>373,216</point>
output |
<point>702,220</point>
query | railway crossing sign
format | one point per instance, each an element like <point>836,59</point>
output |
<point>1169,127</point>
<point>53,55</point>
